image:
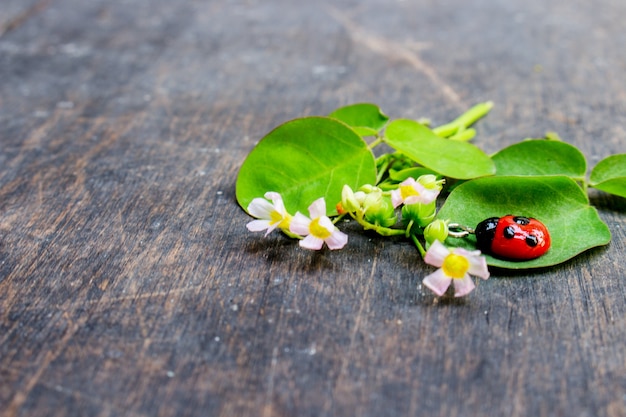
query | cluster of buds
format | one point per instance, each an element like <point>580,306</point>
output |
<point>369,203</point>
<point>375,209</point>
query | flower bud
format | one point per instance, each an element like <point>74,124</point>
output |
<point>349,201</point>
<point>420,214</point>
<point>437,230</point>
<point>369,188</point>
<point>360,198</point>
<point>380,212</point>
<point>431,182</point>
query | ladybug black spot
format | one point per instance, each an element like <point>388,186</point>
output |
<point>509,232</point>
<point>532,241</point>
<point>521,220</point>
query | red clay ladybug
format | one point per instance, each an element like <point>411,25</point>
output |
<point>513,237</point>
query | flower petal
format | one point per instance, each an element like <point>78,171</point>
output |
<point>260,208</point>
<point>411,181</point>
<point>327,224</point>
<point>438,282</point>
<point>466,253</point>
<point>428,196</point>
<point>276,198</point>
<point>258,225</point>
<point>300,224</point>
<point>311,242</point>
<point>478,266</point>
<point>463,286</point>
<point>337,240</point>
<point>396,198</point>
<point>317,208</point>
<point>272,195</point>
<point>436,254</point>
<point>478,263</point>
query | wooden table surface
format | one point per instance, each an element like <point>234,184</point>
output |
<point>129,285</point>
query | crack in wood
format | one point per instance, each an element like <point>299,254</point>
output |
<point>395,50</point>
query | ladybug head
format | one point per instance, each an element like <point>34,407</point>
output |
<point>485,232</point>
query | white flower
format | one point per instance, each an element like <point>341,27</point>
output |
<point>318,229</point>
<point>271,216</point>
<point>411,192</point>
<point>455,266</point>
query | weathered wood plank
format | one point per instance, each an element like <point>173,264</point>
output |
<point>130,286</point>
<point>14,13</point>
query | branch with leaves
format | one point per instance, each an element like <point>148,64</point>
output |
<point>308,162</point>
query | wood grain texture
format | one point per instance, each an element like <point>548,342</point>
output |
<point>130,286</point>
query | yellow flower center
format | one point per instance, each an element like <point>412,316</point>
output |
<point>455,266</point>
<point>407,191</point>
<point>318,230</point>
<point>283,222</point>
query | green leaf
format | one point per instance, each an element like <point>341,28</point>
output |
<point>303,160</point>
<point>365,118</point>
<point>541,157</point>
<point>610,175</point>
<point>449,158</point>
<point>557,201</point>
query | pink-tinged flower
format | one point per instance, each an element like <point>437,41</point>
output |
<point>271,215</point>
<point>411,192</point>
<point>455,266</point>
<point>318,229</point>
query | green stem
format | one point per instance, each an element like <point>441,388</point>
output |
<point>336,219</point>
<point>290,234</point>
<point>419,246</point>
<point>465,120</point>
<point>383,231</point>
<point>381,172</point>
<point>376,142</point>
<point>447,130</point>
<point>463,135</point>
<point>474,114</point>
<point>585,184</point>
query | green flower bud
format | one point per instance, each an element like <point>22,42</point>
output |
<point>349,201</point>
<point>437,230</point>
<point>420,214</point>
<point>380,212</point>
<point>368,188</point>
<point>360,197</point>
<point>431,182</point>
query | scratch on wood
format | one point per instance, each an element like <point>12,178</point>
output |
<point>397,51</point>
<point>18,20</point>
<point>20,397</point>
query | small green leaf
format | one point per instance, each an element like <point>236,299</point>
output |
<point>541,157</point>
<point>303,160</point>
<point>449,158</point>
<point>557,201</point>
<point>365,118</point>
<point>609,175</point>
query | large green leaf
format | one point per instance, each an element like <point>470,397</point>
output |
<point>541,157</point>
<point>303,160</point>
<point>365,118</point>
<point>610,175</point>
<point>557,201</point>
<point>449,158</point>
